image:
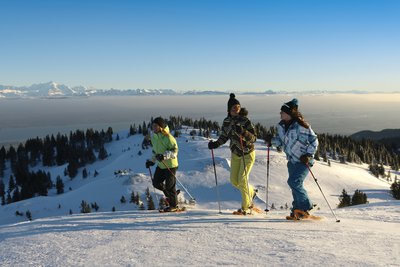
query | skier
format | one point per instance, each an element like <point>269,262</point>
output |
<point>239,129</point>
<point>300,144</point>
<point>165,152</point>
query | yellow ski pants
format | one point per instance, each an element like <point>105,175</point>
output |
<point>240,176</point>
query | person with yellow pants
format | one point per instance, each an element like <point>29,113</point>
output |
<point>240,131</point>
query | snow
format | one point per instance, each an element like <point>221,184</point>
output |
<point>367,235</point>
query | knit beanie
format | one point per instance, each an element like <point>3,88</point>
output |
<point>290,106</point>
<point>160,122</point>
<point>232,101</point>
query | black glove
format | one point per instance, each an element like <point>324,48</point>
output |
<point>149,163</point>
<point>212,145</point>
<point>160,157</point>
<point>306,158</point>
<point>268,139</point>
<point>238,129</point>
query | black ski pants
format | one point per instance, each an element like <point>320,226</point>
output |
<point>165,181</point>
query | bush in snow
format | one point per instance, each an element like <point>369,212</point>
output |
<point>395,188</point>
<point>28,215</point>
<point>359,198</point>
<point>85,208</point>
<point>344,199</point>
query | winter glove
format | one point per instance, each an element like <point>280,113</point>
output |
<point>212,145</point>
<point>160,157</point>
<point>268,139</point>
<point>306,158</point>
<point>238,129</point>
<point>149,163</point>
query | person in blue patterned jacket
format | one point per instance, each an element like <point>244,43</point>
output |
<point>299,143</point>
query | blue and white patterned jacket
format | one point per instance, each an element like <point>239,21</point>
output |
<point>296,141</point>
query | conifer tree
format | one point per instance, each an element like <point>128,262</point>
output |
<point>9,199</point>
<point>344,199</point>
<point>95,206</point>
<point>102,153</point>
<point>2,189</point>
<point>16,195</point>
<point>144,129</point>
<point>358,198</point>
<point>84,173</point>
<point>11,184</point>
<point>28,215</point>
<point>137,199</point>
<point>150,203</point>
<point>123,200</point>
<point>395,189</point>
<point>85,208</point>
<point>59,185</point>
<point>72,168</point>
<point>132,199</point>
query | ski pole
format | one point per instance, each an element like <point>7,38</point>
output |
<point>184,188</point>
<point>245,172</point>
<point>154,189</point>
<point>266,190</point>
<point>308,166</point>
<point>216,181</point>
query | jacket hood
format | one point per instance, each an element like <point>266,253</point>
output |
<point>165,131</point>
<point>243,112</point>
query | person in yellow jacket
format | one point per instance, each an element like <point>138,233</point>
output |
<point>165,153</point>
<point>240,131</point>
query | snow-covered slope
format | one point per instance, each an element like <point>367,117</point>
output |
<point>367,235</point>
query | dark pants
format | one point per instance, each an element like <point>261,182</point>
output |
<point>165,181</point>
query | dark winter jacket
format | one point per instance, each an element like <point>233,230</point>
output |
<point>229,132</point>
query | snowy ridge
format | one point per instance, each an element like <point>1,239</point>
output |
<point>200,236</point>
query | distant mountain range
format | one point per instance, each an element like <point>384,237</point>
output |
<point>56,90</point>
<point>387,136</point>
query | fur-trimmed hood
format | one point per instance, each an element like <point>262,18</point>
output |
<point>243,112</point>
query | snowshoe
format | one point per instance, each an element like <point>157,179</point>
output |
<point>292,217</point>
<point>256,209</point>
<point>298,215</point>
<point>173,209</point>
<point>301,215</point>
<point>240,212</point>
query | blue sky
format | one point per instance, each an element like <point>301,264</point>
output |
<point>202,45</point>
